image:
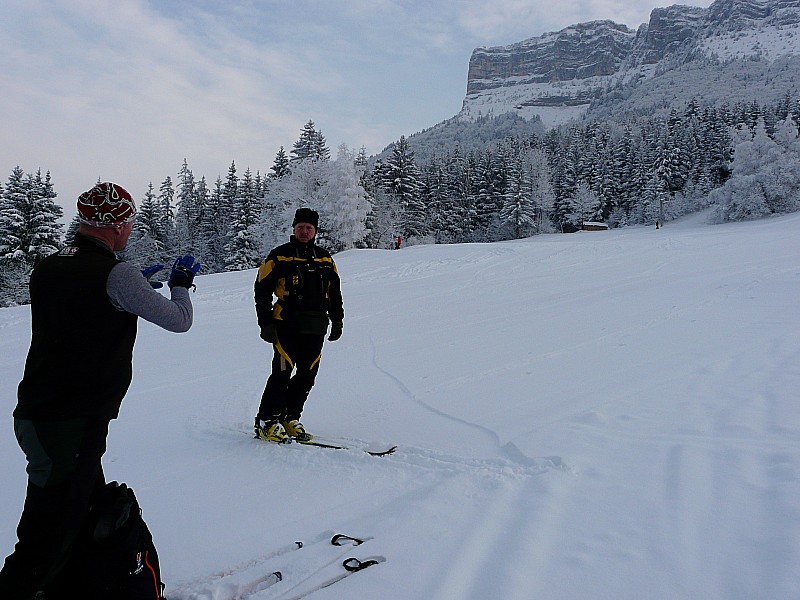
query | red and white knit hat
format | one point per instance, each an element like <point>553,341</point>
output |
<point>106,205</point>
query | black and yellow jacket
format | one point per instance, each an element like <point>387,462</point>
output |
<point>304,279</point>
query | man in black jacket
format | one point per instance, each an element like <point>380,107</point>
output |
<point>303,278</point>
<point>84,308</point>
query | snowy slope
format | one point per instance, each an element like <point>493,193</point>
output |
<point>597,415</point>
<point>767,43</point>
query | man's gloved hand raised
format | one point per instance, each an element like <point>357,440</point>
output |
<point>336,331</point>
<point>183,271</point>
<point>148,272</point>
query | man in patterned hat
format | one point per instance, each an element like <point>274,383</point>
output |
<point>84,308</point>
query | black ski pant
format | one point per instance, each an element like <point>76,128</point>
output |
<point>285,394</point>
<point>64,470</point>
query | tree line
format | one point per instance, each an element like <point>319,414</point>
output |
<point>744,158</point>
<point>629,172</point>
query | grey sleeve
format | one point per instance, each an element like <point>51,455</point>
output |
<point>130,291</point>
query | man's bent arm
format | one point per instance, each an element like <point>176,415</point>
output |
<point>130,291</point>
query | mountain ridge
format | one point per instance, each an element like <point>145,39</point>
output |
<point>560,75</point>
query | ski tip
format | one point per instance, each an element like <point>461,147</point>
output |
<point>341,539</point>
<point>353,564</point>
<point>383,452</point>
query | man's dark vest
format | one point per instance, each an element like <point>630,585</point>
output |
<point>79,362</point>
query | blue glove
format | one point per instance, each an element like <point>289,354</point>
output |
<point>183,271</point>
<point>148,272</point>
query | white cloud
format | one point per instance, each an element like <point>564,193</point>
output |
<point>135,90</point>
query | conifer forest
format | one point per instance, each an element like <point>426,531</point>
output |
<point>741,161</point>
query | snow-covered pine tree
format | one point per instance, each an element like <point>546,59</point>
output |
<point>219,220</point>
<point>14,276</point>
<point>146,244</point>
<point>310,145</point>
<point>166,216</point>
<point>436,198</point>
<point>654,194</point>
<point>72,229</point>
<point>44,228</point>
<point>619,181</point>
<point>401,177</point>
<point>765,175</point>
<point>303,148</point>
<point>243,250</point>
<point>13,263</point>
<point>585,205</point>
<point>462,215</point>
<point>371,185</point>
<point>29,231</point>
<point>29,227</point>
<point>212,230</point>
<point>486,206</point>
<point>202,197</point>
<point>541,187</point>
<point>280,166</point>
<point>344,207</point>
<point>591,162</point>
<point>386,219</point>
<point>361,160</point>
<point>12,217</point>
<point>187,212</point>
<point>518,213</point>
<point>567,180</point>
<point>781,178</point>
<point>259,185</point>
<point>320,147</point>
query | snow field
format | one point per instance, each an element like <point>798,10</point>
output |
<point>596,415</point>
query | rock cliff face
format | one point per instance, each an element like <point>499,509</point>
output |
<point>738,15</point>
<point>668,30</point>
<point>577,52</point>
<point>558,74</point>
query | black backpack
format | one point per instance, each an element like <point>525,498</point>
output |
<point>114,557</point>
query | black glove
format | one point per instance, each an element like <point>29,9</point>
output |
<point>336,331</point>
<point>183,271</point>
<point>268,333</point>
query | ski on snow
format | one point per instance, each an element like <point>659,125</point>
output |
<point>318,444</point>
<point>229,583</point>
<point>246,580</point>
<point>351,565</point>
<point>332,446</point>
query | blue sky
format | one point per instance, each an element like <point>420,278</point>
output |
<point>124,90</point>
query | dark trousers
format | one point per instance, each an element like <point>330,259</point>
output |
<point>64,470</point>
<point>285,394</point>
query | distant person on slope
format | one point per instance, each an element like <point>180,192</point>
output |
<point>303,278</point>
<point>84,308</point>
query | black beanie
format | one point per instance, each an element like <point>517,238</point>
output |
<point>306,215</point>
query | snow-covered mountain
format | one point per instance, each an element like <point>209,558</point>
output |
<point>558,75</point>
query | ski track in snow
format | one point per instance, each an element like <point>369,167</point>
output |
<point>510,450</point>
